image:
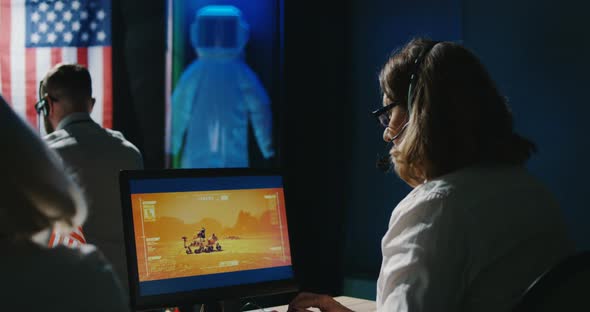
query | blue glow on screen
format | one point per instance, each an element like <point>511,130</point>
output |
<point>260,14</point>
<point>226,27</point>
<point>144,186</point>
<point>181,284</point>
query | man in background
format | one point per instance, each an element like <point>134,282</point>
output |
<point>93,154</point>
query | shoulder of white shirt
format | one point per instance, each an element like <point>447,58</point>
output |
<point>56,137</point>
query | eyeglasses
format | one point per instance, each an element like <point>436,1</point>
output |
<point>383,114</point>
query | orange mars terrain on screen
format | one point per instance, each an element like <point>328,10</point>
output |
<point>198,233</point>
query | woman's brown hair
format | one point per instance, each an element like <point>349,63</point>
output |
<point>457,119</point>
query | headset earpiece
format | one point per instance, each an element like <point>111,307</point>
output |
<point>42,107</point>
<point>414,75</point>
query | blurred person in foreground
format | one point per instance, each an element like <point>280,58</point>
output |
<point>477,229</point>
<point>38,198</point>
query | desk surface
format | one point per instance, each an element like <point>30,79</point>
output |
<point>355,304</point>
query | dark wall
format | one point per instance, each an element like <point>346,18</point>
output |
<point>537,52</point>
<point>138,75</point>
<point>378,28</point>
<point>316,137</point>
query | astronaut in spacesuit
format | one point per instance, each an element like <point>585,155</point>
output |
<point>217,95</point>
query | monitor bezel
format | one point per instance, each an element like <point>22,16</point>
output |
<point>139,302</point>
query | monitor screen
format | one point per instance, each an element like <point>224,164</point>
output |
<point>203,232</point>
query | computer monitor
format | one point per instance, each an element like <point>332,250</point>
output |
<point>205,235</point>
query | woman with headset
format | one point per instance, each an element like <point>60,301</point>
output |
<point>477,228</point>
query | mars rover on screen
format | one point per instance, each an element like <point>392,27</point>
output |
<point>201,243</point>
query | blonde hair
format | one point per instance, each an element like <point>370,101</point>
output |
<point>35,192</point>
<point>457,119</point>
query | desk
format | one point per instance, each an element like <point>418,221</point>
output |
<point>355,304</point>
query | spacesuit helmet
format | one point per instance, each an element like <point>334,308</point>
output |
<point>219,31</point>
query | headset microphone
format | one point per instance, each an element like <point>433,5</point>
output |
<point>383,163</point>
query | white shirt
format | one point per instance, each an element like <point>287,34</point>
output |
<point>472,240</point>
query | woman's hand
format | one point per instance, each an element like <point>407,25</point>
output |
<point>325,303</point>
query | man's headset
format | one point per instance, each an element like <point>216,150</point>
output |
<point>383,162</point>
<point>42,106</point>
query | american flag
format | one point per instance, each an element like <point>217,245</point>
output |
<point>74,239</point>
<point>37,34</point>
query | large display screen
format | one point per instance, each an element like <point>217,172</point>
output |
<point>223,81</point>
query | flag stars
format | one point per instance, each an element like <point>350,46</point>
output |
<point>59,5</point>
<point>101,14</point>
<point>51,16</point>
<point>59,26</point>
<point>68,37</point>
<point>51,37</point>
<point>67,16</point>
<point>43,27</point>
<point>35,38</point>
<point>35,17</point>
<point>43,6</point>
<point>67,23</point>
<point>101,36</point>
